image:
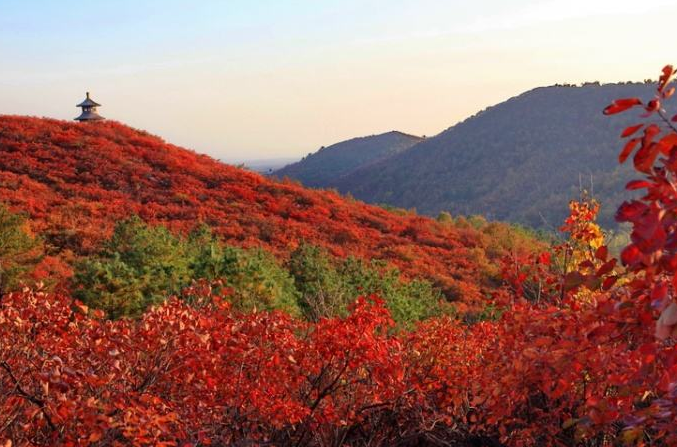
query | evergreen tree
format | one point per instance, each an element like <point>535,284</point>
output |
<point>139,266</point>
<point>19,250</point>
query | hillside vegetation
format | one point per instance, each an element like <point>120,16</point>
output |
<point>76,182</point>
<point>174,335</point>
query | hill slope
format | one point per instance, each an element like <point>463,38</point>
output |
<point>326,166</point>
<point>75,181</point>
<point>519,161</point>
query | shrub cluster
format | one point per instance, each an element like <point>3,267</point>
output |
<point>140,265</point>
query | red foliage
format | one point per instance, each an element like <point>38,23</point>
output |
<point>579,366</point>
<point>183,376</point>
<point>76,181</point>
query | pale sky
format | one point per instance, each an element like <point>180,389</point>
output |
<point>274,78</point>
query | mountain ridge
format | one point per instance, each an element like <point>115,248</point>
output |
<point>328,164</point>
<point>521,160</point>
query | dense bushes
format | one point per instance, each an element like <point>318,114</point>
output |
<point>547,375</point>
<point>140,265</point>
<point>258,281</point>
<point>327,287</point>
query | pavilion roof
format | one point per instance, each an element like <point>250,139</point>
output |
<point>88,102</point>
<point>89,116</point>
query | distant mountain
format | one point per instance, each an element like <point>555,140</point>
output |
<point>328,165</point>
<point>521,160</point>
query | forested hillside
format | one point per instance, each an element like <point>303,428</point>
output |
<point>521,160</point>
<point>328,165</point>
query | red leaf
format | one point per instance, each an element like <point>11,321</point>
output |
<point>627,150</point>
<point>659,291</point>
<point>593,282</point>
<point>573,280</point>
<point>631,130</point>
<point>631,255</point>
<point>609,282</point>
<point>606,268</point>
<point>586,264</point>
<point>648,351</point>
<point>621,105</point>
<point>629,211</point>
<point>645,157</point>
<point>638,184</point>
<point>650,132</point>
<point>602,253</point>
<point>667,143</point>
<point>668,71</point>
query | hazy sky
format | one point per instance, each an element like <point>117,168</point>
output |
<point>255,79</point>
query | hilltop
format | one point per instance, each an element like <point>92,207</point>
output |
<point>521,160</point>
<point>329,164</point>
<point>75,182</point>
